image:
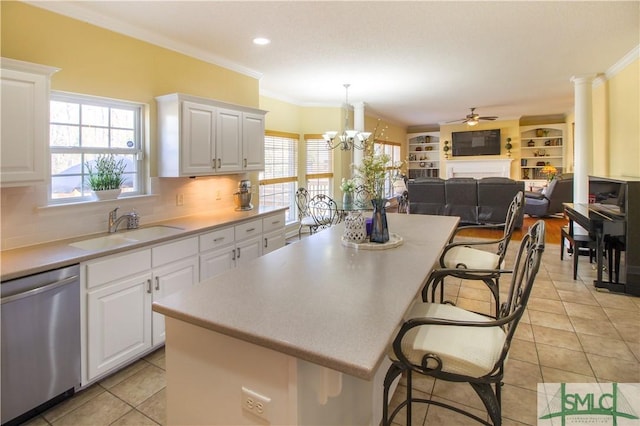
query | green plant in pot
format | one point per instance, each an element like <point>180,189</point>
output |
<point>106,176</point>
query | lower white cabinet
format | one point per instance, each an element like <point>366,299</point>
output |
<point>118,323</point>
<point>167,280</point>
<point>274,236</point>
<point>119,291</point>
<point>224,249</point>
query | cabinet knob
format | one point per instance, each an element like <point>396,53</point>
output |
<point>233,254</point>
<point>219,163</point>
<point>238,252</point>
<point>265,242</point>
<point>245,162</point>
<point>157,283</point>
<point>149,286</point>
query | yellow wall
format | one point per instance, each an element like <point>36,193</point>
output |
<point>99,62</point>
<point>508,129</point>
<point>624,121</point>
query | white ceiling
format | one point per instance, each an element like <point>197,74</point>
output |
<point>413,63</point>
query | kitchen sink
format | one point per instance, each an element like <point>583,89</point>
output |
<point>125,238</point>
<point>145,234</point>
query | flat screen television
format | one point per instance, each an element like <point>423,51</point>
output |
<point>477,142</point>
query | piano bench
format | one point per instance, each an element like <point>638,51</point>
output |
<point>579,242</point>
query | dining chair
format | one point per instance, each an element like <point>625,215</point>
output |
<point>304,215</point>
<point>457,345</point>
<point>361,198</point>
<point>324,211</point>
<point>467,256</point>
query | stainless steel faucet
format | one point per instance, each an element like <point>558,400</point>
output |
<point>114,221</point>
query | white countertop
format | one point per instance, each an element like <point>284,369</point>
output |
<point>318,300</point>
<point>29,260</point>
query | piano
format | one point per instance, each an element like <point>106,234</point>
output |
<point>613,221</point>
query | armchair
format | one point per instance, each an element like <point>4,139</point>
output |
<point>549,201</point>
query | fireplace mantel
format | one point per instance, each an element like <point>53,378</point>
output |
<point>479,168</point>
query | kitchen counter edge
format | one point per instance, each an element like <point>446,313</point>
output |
<point>24,261</point>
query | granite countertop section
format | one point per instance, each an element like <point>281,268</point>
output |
<point>19,262</point>
<point>319,300</point>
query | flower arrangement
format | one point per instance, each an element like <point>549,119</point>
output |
<point>375,168</point>
<point>372,173</point>
<point>549,171</point>
<point>348,185</point>
<point>107,173</point>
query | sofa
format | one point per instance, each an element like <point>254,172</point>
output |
<point>476,201</point>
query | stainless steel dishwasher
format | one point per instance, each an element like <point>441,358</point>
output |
<point>40,341</point>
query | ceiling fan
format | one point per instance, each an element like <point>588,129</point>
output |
<point>473,118</point>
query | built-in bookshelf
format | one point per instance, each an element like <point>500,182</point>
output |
<point>423,155</point>
<point>541,145</point>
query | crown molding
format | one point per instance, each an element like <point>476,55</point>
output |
<point>74,11</point>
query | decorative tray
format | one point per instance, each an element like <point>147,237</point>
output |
<point>395,240</point>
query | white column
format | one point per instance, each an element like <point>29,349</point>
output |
<point>358,124</point>
<point>583,136</point>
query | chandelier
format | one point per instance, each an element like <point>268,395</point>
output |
<point>348,139</point>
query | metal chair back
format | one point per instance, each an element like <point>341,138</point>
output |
<point>323,210</point>
<point>302,203</point>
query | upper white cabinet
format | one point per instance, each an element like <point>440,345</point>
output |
<point>201,137</point>
<point>25,122</point>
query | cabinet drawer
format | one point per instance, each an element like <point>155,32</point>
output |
<point>272,222</point>
<point>116,267</point>
<point>170,252</point>
<point>217,238</point>
<point>249,229</point>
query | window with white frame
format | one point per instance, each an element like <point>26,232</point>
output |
<point>84,127</point>
<point>319,173</point>
<point>278,181</point>
<point>392,149</point>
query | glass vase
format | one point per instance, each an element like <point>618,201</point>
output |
<point>347,201</point>
<point>379,228</point>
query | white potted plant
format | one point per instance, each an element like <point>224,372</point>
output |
<point>105,176</point>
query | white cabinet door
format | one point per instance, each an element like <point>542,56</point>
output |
<point>252,141</point>
<point>198,134</point>
<point>118,323</point>
<point>273,240</point>
<point>217,261</point>
<point>229,141</point>
<point>248,250</point>
<point>25,122</point>
<point>167,280</point>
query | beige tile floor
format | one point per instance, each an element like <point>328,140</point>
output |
<point>570,333</point>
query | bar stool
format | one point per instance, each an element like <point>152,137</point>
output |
<point>579,240</point>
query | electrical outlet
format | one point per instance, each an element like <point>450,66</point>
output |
<point>255,403</point>
<point>218,197</point>
<point>179,199</point>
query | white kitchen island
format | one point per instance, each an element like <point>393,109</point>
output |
<point>306,326</point>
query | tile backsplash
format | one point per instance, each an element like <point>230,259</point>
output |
<point>26,220</point>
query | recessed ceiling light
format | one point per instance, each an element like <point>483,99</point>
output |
<point>261,41</point>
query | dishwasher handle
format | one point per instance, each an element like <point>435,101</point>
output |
<point>46,287</point>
